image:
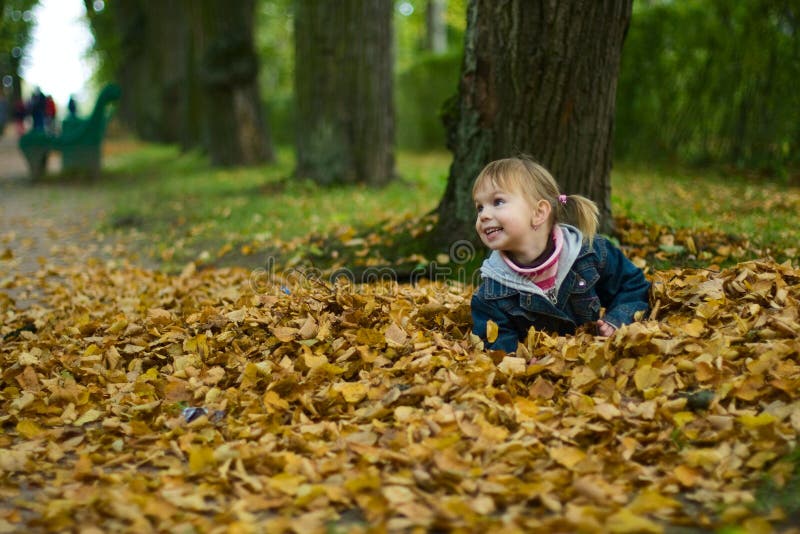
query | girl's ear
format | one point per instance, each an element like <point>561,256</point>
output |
<point>541,213</point>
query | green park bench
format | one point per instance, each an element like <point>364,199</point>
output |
<point>79,142</point>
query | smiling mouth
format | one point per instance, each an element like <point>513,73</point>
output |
<point>492,231</point>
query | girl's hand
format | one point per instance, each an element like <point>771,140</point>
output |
<point>605,329</point>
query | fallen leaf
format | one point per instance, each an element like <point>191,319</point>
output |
<point>492,330</point>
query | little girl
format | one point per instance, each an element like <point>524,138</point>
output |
<point>543,272</point>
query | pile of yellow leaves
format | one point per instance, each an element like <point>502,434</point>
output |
<point>136,401</point>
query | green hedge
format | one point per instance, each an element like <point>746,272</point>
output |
<point>711,82</point>
<point>420,92</point>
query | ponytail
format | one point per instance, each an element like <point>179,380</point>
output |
<point>580,212</point>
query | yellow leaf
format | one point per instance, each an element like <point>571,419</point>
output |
<point>491,331</point>
<point>756,421</point>
<point>236,316</point>
<point>490,432</point>
<point>757,525</point>
<point>569,457</point>
<point>23,401</point>
<point>691,245</point>
<point>285,333</point>
<point>274,402</point>
<point>363,481</point>
<point>353,392</point>
<point>651,501</point>
<point>526,408</point>
<point>681,418</point>
<point>646,377</point>
<point>200,458</point>
<point>686,475</point>
<point>760,458</point>
<point>398,494</point>
<point>286,482</point>
<point>607,411</point>
<point>395,336</point>
<point>184,497</point>
<point>707,458</point>
<point>483,505</point>
<point>88,416</point>
<point>583,377</point>
<point>693,328</point>
<point>313,361</point>
<point>117,327</point>
<point>309,329</point>
<point>12,460</point>
<point>91,350</point>
<point>29,429</point>
<point>26,358</point>
<point>512,365</point>
<point>159,316</point>
<point>626,521</point>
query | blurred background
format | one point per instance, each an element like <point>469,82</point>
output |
<point>702,82</point>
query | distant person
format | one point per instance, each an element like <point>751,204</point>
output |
<point>20,112</point>
<point>3,113</point>
<point>72,106</point>
<point>36,108</point>
<point>543,272</point>
<point>49,114</point>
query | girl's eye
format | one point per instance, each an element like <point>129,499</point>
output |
<point>498,201</point>
<point>479,208</point>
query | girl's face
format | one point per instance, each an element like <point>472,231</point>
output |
<point>505,220</point>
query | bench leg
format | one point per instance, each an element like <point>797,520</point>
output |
<point>37,163</point>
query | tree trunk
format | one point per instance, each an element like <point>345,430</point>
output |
<point>538,78</point>
<point>189,75</point>
<point>154,40</point>
<point>343,88</point>
<point>436,26</point>
<point>234,118</point>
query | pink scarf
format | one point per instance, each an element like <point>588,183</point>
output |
<point>543,274</point>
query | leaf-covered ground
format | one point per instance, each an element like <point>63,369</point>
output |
<point>222,401</point>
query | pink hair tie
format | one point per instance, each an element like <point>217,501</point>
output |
<point>562,199</point>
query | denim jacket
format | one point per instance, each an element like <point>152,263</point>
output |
<point>589,277</point>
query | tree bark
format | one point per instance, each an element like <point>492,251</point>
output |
<point>228,70</point>
<point>189,75</point>
<point>153,67</point>
<point>539,78</point>
<point>343,90</point>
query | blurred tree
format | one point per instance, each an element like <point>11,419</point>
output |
<point>343,90</point>
<point>149,47</point>
<point>538,77</point>
<point>188,72</point>
<point>436,26</point>
<point>228,71</point>
<point>712,81</point>
<point>274,38</point>
<point>415,20</point>
<point>427,68</point>
<point>16,27</point>
<point>420,92</point>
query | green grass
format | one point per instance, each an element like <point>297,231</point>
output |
<point>784,494</point>
<point>763,211</point>
<point>193,211</point>
<point>189,210</point>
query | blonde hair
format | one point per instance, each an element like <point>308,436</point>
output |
<point>526,177</point>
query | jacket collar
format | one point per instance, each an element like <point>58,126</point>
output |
<point>494,268</point>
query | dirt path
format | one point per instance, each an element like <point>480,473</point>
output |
<point>45,222</point>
